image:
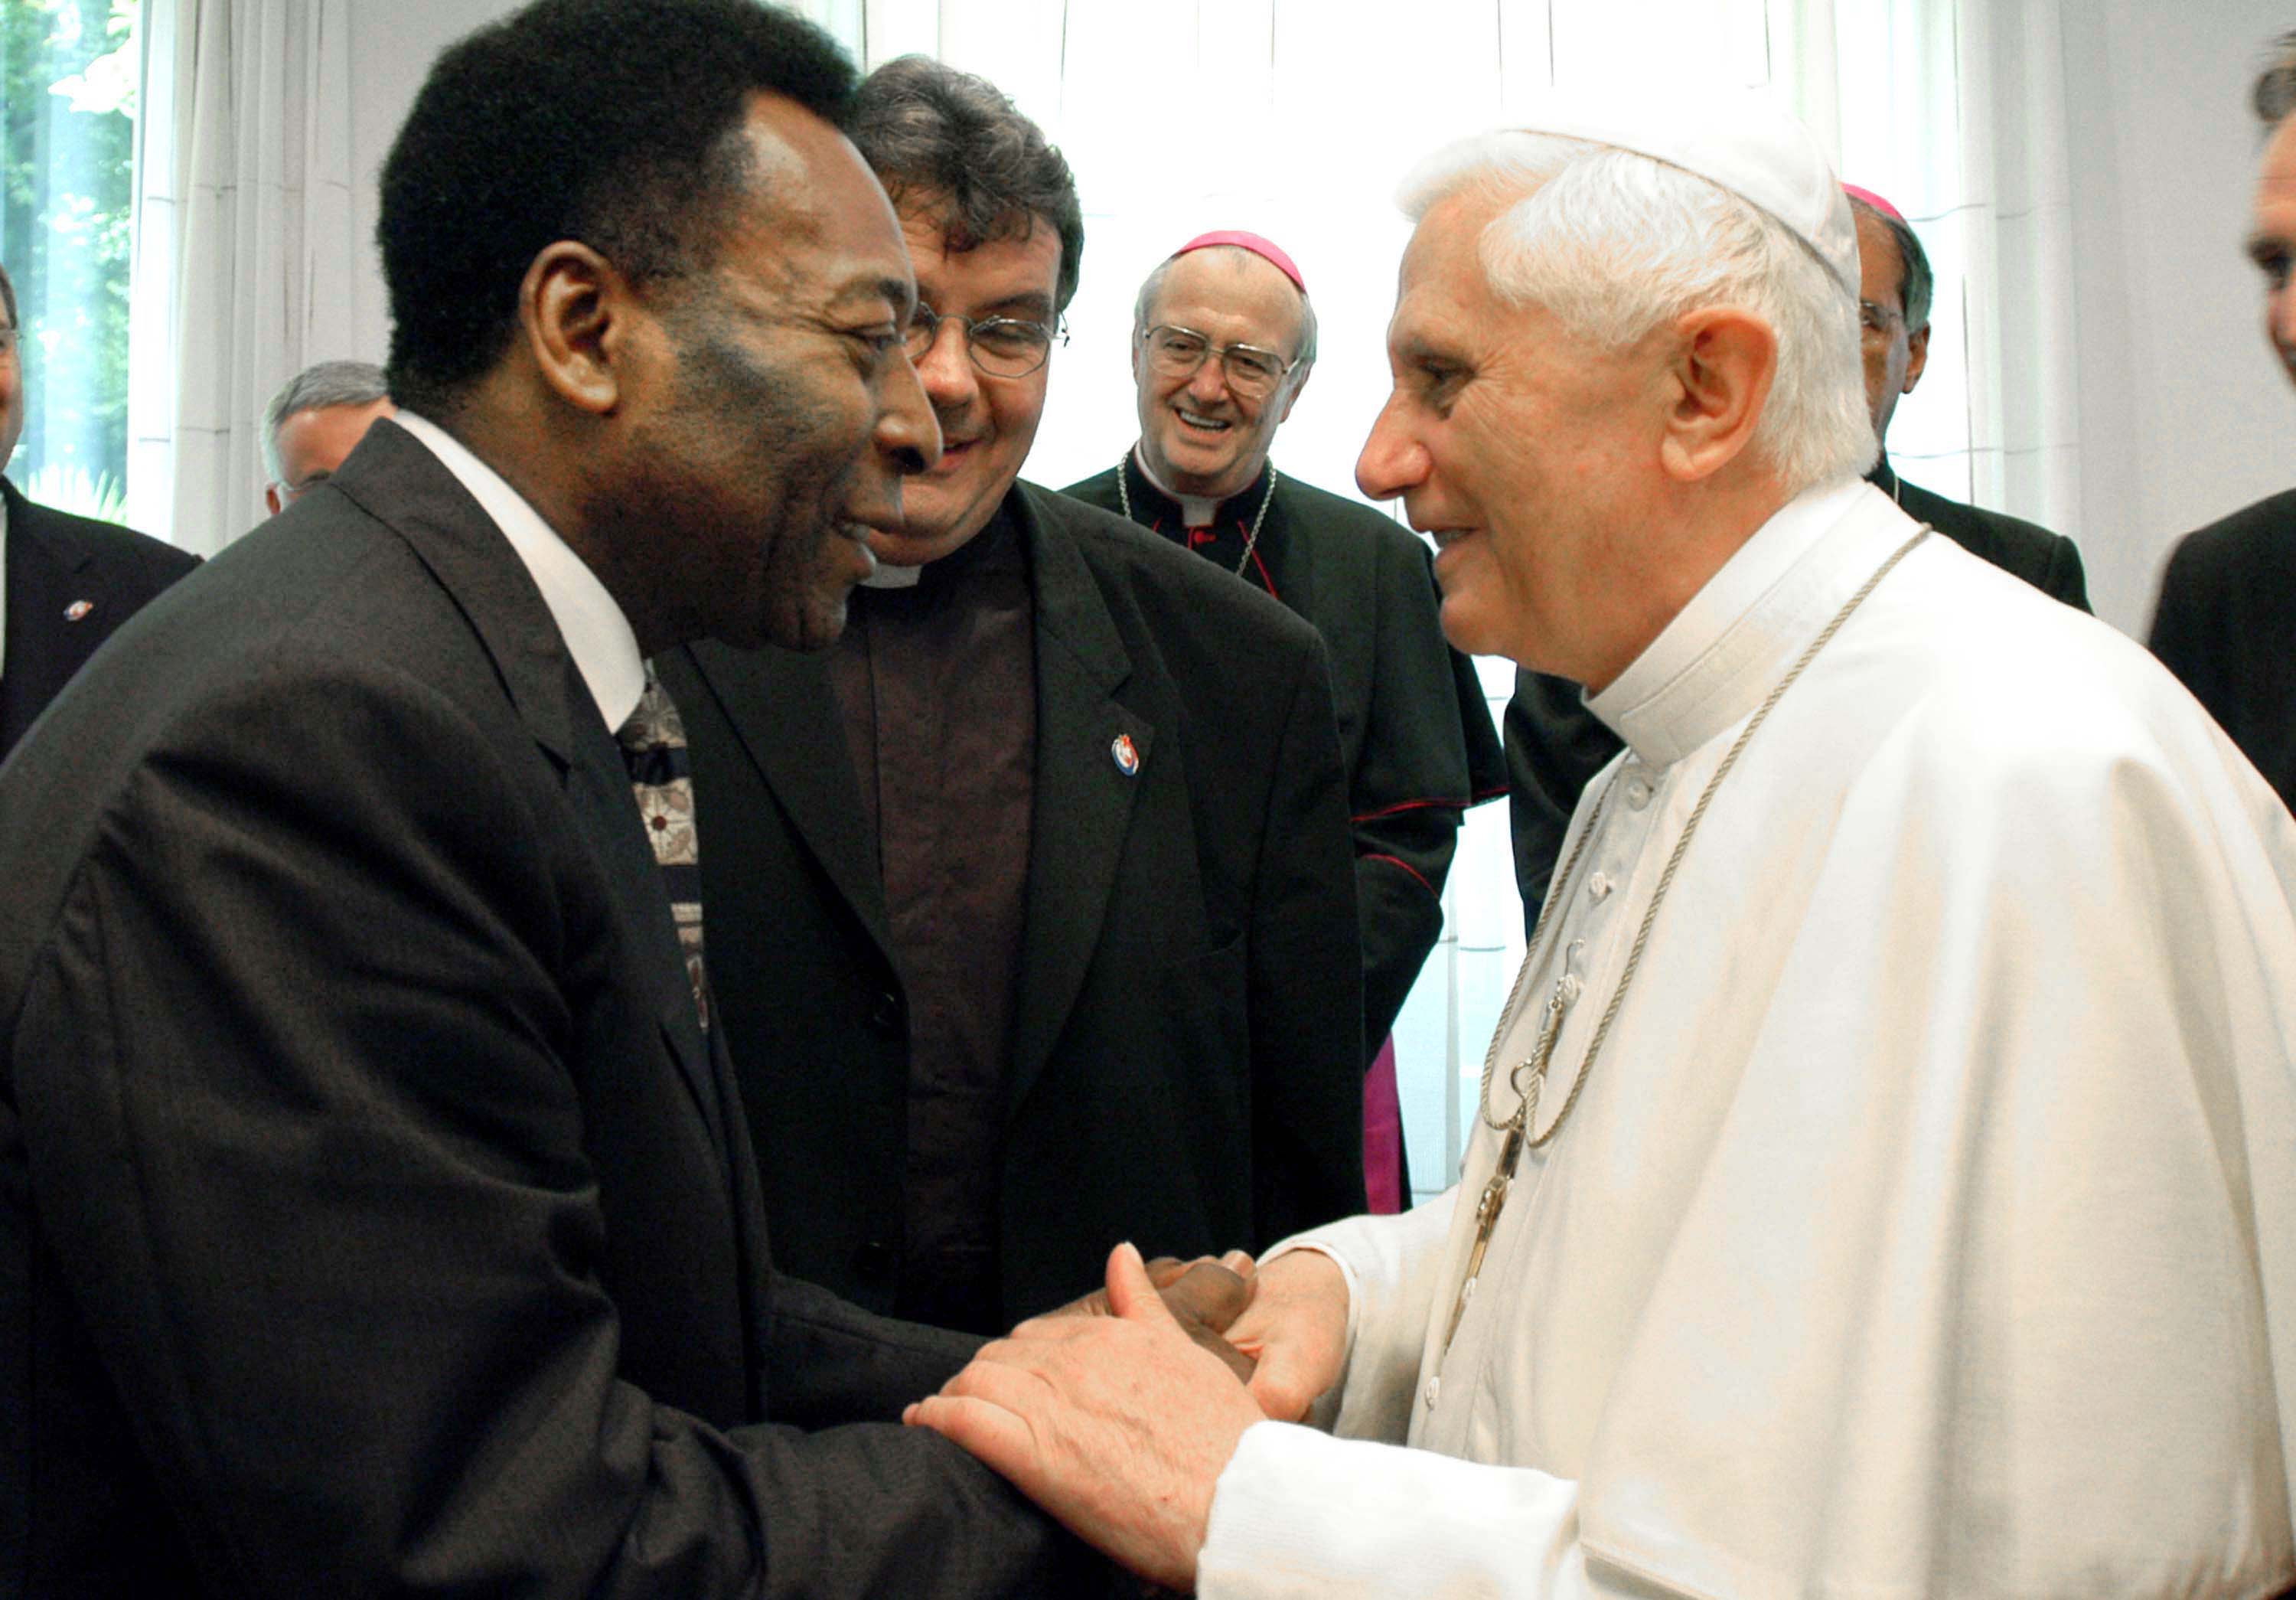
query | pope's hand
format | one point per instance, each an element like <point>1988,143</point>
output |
<point>1118,1425</point>
<point>1296,1330</point>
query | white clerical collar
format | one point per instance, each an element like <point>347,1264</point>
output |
<point>597,634</point>
<point>1195,511</point>
<point>1724,652</point>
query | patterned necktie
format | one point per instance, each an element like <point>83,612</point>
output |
<point>653,746</point>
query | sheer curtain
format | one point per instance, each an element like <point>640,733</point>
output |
<point>1298,117</point>
<point>247,245</point>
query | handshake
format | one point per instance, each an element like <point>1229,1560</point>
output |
<point>1118,1413</point>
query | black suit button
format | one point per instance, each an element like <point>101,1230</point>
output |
<point>873,1259</point>
<point>885,1014</point>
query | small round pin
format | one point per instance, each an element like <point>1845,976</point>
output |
<point>78,609</point>
<point>1126,755</point>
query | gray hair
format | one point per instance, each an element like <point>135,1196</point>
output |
<point>2274,93</point>
<point>1616,244</point>
<point>1916,283</point>
<point>945,138</point>
<point>1153,285</point>
<point>316,389</point>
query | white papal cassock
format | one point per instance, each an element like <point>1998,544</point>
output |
<point>1927,1224</point>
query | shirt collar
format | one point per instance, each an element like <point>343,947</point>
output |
<point>1727,648</point>
<point>1195,512</point>
<point>597,634</point>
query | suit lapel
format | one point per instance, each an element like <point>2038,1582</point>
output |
<point>399,483</point>
<point>1083,799</point>
<point>784,710</point>
<point>46,575</point>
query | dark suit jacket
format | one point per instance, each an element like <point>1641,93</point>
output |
<point>1415,732</point>
<point>1554,745</point>
<point>373,1215</point>
<point>2226,626</point>
<point>56,560</point>
<point>1185,1069</point>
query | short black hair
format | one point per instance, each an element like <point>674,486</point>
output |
<point>612,122</point>
<point>8,294</point>
<point>953,140</point>
<point>2274,93</point>
<point>1916,283</point>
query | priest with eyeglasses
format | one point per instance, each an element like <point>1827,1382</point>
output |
<point>1882,1180</point>
<point>1224,342</point>
<point>1032,907</point>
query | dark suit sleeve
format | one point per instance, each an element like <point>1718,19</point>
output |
<point>2183,620</point>
<point>1305,975</point>
<point>1411,788</point>
<point>315,977</point>
<point>1554,745</point>
<point>2065,577</point>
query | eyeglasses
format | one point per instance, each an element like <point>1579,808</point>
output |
<point>1001,347</point>
<point>1177,352</point>
<point>1877,319</point>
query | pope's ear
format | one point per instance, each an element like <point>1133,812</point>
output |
<point>574,313</point>
<point>1724,361</point>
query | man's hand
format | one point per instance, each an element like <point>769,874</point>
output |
<point>1295,1329</point>
<point>1118,1425</point>
<point>1205,1296</point>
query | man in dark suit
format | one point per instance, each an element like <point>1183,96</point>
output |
<point>2225,621</point>
<point>69,581</point>
<point>378,1214</point>
<point>1032,910</point>
<point>1554,745</point>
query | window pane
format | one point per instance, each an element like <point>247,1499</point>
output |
<point>67,75</point>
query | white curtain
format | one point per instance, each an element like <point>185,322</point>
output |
<point>1955,109</point>
<point>247,246</point>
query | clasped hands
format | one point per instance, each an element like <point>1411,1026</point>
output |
<point>1118,1413</point>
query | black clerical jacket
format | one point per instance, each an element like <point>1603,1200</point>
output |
<point>1416,731</point>
<point>1184,1065</point>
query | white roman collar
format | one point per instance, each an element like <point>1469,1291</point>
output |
<point>1195,511</point>
<point>597,634</point>
<point>1711,666</point>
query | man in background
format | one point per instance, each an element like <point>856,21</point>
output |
<point>2225,621</point>
<point>1031,905</point>
<point>377,1215</point>
<point>69,581</point>
<point>315,420</point>
<point>1223,342</point>
<point>1555,746</point>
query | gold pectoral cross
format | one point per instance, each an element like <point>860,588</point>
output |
<point>1488,1208</point>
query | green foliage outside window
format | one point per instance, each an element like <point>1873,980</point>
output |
<point>68,80</point>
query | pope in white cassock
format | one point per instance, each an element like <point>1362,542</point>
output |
<point>1885,1177</point>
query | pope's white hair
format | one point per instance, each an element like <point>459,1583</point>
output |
<point>1616,244</point>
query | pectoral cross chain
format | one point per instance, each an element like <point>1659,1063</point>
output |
<point>1494,1198</point>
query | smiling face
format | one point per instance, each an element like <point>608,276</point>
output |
<point>770,413</point>
<point>986,424</point>
<point>1529,453</point>
<point>1199,437</point>
<point>2271,241</point>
